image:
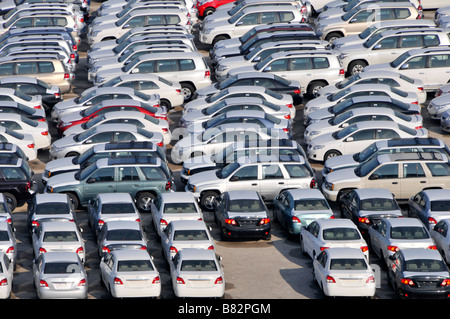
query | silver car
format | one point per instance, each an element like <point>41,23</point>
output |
<point>49,208</point>
<point>430,206</point>
<point>106,207</point>
<point>6,276</point>
<point>445,121</point>
<point>441,237</point>
<point>167,207</point>
<point>8,242</point>
<point>438,106</point>
<point>390,235</point>
<point>60,275</point>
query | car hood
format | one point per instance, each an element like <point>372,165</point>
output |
<point>379,66</point>
<point>320,126</point>
<point>346,175</point>
<point>441,100</point>
<point>194,115</point>
<point>229,50</point>
<point>331,13</point>
<point>62,180</point>
<point>323,139</point>
<point>322,24</point>
<point>73,116</point>
<point>106,26</point>
<point>241,69</point>
<point>319,115</point>
<point>337,161</point>
<point>65,104</point>
<point>351,48</point>
<point>64,142</point>
<point>61,163</point>
<point>233,59</point>
<point>108,73</point>
<point>203,178</point>
<point>207,90</point>
<point>215,24</point>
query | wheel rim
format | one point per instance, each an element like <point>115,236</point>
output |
<point>331,155</point>
<point>357,69</point>
<point>145,202</point>
<point>208,201</point>
<point>316,89</point>
<point>187,93</point>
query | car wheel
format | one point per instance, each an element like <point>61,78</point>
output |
<point>208,11</point>
<point>188,91</point>
<point>219,38</point>
<point>331,154</point>
<point>74,199</point>
<point>315,87</point>
<point>302,246</point>
<point>70,154</point>
<point>207,200</point>
<point>356,67</point>
<point>333,36</point>
<point>166,104</point>
<point>144,200</point>
<point>11,201</point>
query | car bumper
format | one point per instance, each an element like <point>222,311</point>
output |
<point>315,154</point>
<point>212,292</point>
<point>329,195</point>
<point>46,293</point>
<point>128,292</point>
<point>409,292</point>
<point>241,232</point>
<point>334,290</point>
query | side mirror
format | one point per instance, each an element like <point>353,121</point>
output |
<point>404,66</point>
<point>234,179</point>
<point>374,176</point>
<point>349,139</point>
<point>90,180</point>
<point>377,47</point>
<point>135,70</point>
<point>239,23</point>
<point>344,125</point>
<point>267,69</point>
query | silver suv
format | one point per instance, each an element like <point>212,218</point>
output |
<point>268,175</point>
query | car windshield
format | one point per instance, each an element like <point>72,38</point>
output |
<point>341,106</point>
<point>263,63</point>
<point>379,204</point>
<point>338,119</point>
<point>408,130</point>
<point>395,63</point>
<point>366,153</point>
<point>118,208</point>
<point>367,167</point>
<point>345,131</point>
<point>367,32</point>
<point>216,96</point>
<point>409,232</point>
<point>227,170</point>
<point>372,40</point>
<point>52,208</point>
<point>234,18</point>
<point>348,264</point>
<point>227,82</point>
<point>440,206</point>
<point>340,233</point>
<point>215,107</point>
<point>134,265</point>
<point>190,235</point>
<point>348,81</point>
<point>350,14</point>
<point>124,235</point>
<point>84,173</point>
<point>311,204</point>
<point>338,95</point>
<point>180,208</point>
<point>82,136</point>
<point>122,20</point>
<point>198,265</point>
<point>246,206</point>
<point>59,236</point>
<point>425,265</point>
<point>61,268</point>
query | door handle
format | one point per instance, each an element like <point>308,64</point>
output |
<point>254,184</point>
<point>394,182</point>
<point>423,182</point>
<point>281,183</point>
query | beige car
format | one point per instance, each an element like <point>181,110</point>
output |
<point>364,15</point>
<point>45,68</point>
<point>404,174</point>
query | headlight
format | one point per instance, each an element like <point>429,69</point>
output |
<point>99,79</point>
<point>318,147</point>
<point>342,55</point>
<point>329,186</point>
<point>313,133</point>
<point>312,109</point>
<point>222,68</point>
<point>208,31</point>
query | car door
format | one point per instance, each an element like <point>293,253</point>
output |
<point>413,180</point>
<point>377,237</point>
<point>440,235</point>
<point>357,141</point>
<point>272,181</point>
<point>360,21</point>
<point>106,269</point>
<point>128,180</point>
<point>35,240</point>
<point>416,205</point>
<point>319,264</point>
<point>282,210</point>
<point>101,180</point>
<point>309,238</point>
<point>386,49</point>
<point>438,72</point>
<point>246,177</point>
<point>416,68</point>
<point>385,176</point>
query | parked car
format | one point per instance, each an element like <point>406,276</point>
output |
<point>191,264</point>
<point>440,235</point>
<point>7,274</point>
<point>366,206</point>
<point>419,273</point>
<point>57,236</point>
<point>8,244</point>
<point>296,208</point>
<point>430,206</point>
<point>404,174</point>
<point>181,234</point>
<point>106,207</point>
<point>18,108</point>
<point>55,269</point>
<point>167,207</point>
<point>130,273</point>
<point>15,123</point>
<point>153,175</point>
<point>334,266</point>
<point>5,212</point>
<point>44,208</point>
<point>322,234</point>
<point>242,214</point>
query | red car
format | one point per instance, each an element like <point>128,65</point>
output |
<point>206,7</point>
<point>85,115</point>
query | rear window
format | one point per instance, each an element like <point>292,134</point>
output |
<point>297,170</point>
<point>46,67</point>
<point>198,265</point>
<point>61,268</point>
<point>348,264</point>
<point>190,235</point>
<point>340,233</point>
<point>407,232</point>
<point>134,265</point>
<point>59,236</point>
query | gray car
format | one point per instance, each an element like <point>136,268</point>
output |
<point>430,206</point>
<point>60,275</point>
<point>441,236</point>
<point>49,208</point>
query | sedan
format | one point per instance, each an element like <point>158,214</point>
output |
<point>106,207</point>
<point>322,234</point>
<point>344,272</point>
<point>77,144</point>
<point>181,234</point>
<point>366,206</point>
<point>167,207</point>
<point>8,243</point>
<point>356,137</point>
<point>57,237</point>
<point>130,274</point>
<point>358,115</point>
<point>242,215</point>
<point>12,95</point>
<point>438,106</point>
<point>441,236</point>
<point>197,272</point>
<point>49,208</point>
<point>24,141</point>
<point>430,206</point>
<point>419,273</point>
<point>121,234</point>
<point>66,121</point>
<point>140,119</point>
<point>5,211</point>
<point>60,275</point>
<point>18,108</point>
<point>390,235</point>
<point>296,208</point>
<point>6,276</point>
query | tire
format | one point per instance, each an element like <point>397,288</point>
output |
<point>208,11</point>
<point>74,199</point>
<point>331,154</point>
<point>333,36</point>
<point>207,199</point>
<point>219,38</point>
<point>11,201</point>
<point>188,91</point>
<point>143,201</point>
<point>356,67</point>
<point>314,87</point>
<point>70,154</point>
<point>166,104</point>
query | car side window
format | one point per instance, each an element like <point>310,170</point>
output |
<point>297,170</point>
<point>386,134</point>
<point>46,67</point>
<point>388,43</point>
<point>385,172</point>
<point>279,65</point>
<point>249,19</point>
<point>439,61</point>
<point>172,19</point>
<point>26,68</point>
<point>418,62</point>
<point>321,63</point>
<point>439,169</point>
<point>123,136</point>
<point>411,170</point>
<point>246,173</point>
<point>128,174</point>
<point>300,64</point>
<point>286,16</point>
<point>271,172</point>
<point>400,13</point>
<point>322,258</point>
<point>167,66</point>
<point>135,22</point>
<point>102,175</point>
<point>430,40</point>
<point>442,228</point>
<point>363,135</point>
<point>13,174</point>
<point>153,173</point>
<point>7,69</point>
<point>186,64</point>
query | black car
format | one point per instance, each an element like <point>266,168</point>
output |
<point>367,205</point>
<point>16,181</point>
<point>419,273</point>
<point>242,214</point>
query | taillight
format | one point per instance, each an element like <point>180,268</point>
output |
<point>407,281</point>
<point>286,130</point>
<point>364,220</point>
<point>421,89</point>
<point>66,75</point>
<point>211,247</point>
<point>42,119</point>
<point>303,9</point>
<point>432,247</point>
<point>173,249</point>
<point>313,183</point>
<point>72,56</point>
<point>156,280</point>
<point>10,250</point>
<point>38,107</point>
<point>163,222</point>
<point>82,283</point>
<point>106,249</point>
<point>180,281</point>
<point>370,280</point>
<point>101,222</point>
<point>42,250</point>
<point>160,144</point>
<point>143,247</point>
<point>218,281</point>
<point>341,72</point>
<point>165,130</point>
<point>323,248</point>
<point>415,102</point>
<point>230,221</point>
<point>364,249</point>
<point>445,282</point>
<point>117,281</point>
<point>392,248</point>
<point>45,133</point>
<point>57,95</point>
<point>138,220</point>
<point>4,282</point>
<point>332,217</point>
<point>296,220</point>
<point>330,280</point>
<point>418,127</point>
<point>287,117</point>
<point>43,283</point>
<point>178,91</point>
<point>207,74</point>
<point>75,47</point>
<point>79,250</point>
<point>264,221</point>
<point>35,223</point>
<point>297,91</point>
<point>289,106</point>
<point>81,20</point>
<point>168,185</point>
<point>431,220</point>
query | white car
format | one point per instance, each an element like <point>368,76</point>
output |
<point>356,137</point>
<point>394,79</point>
<point>323,102</point>
<point>130,273</point>
<point>58,236</point>
<point>357,115</point>
<point>6,276</point>
<point>12,95</point>
<point>438,106</point>
<point>441,237</point>
<point>393,234</point>
<point>24,125</point>
<point>8,242</point>
<point>142,120</point>
<point>344,272</point>
<point>24,141</point>
<point>167,207</point>
<point>197,273</point>
<point>181,234</point>
<point>322,234</point>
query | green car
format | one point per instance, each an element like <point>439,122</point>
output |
<point>143,178</point>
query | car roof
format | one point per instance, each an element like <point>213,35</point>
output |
<point>170,55</point>
<point>112,102</point>
<point>284,158</point>
<point>130,145</point>
<point>420,253</point>
<point>298,193</point>
<point>102,162</point>
<point>122,224</point>
<point>52,256</point>
<point>437,194</point>
<point>51,197</point>
<point>116,127</point>
<point>371,98</point>
<point>427,50</point>
<point>336,222</point>
<point>59,226</point>
<point>419,156</point>
<point>269,9</point>
<point>177,197</point>
<point>131,254</point>
<point>407,30</point>
<point>386,5</point>
<point>188,224</point>
<point>320,52</point>
<point>413,141</point>
<point>367,193</point>
<point>405,23</point>
<point>114,197</point>
<point>344,252</point>
<point>196,253</point>
<point>376,124</point>
<point>243,194</point>
<point>405,221</point>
